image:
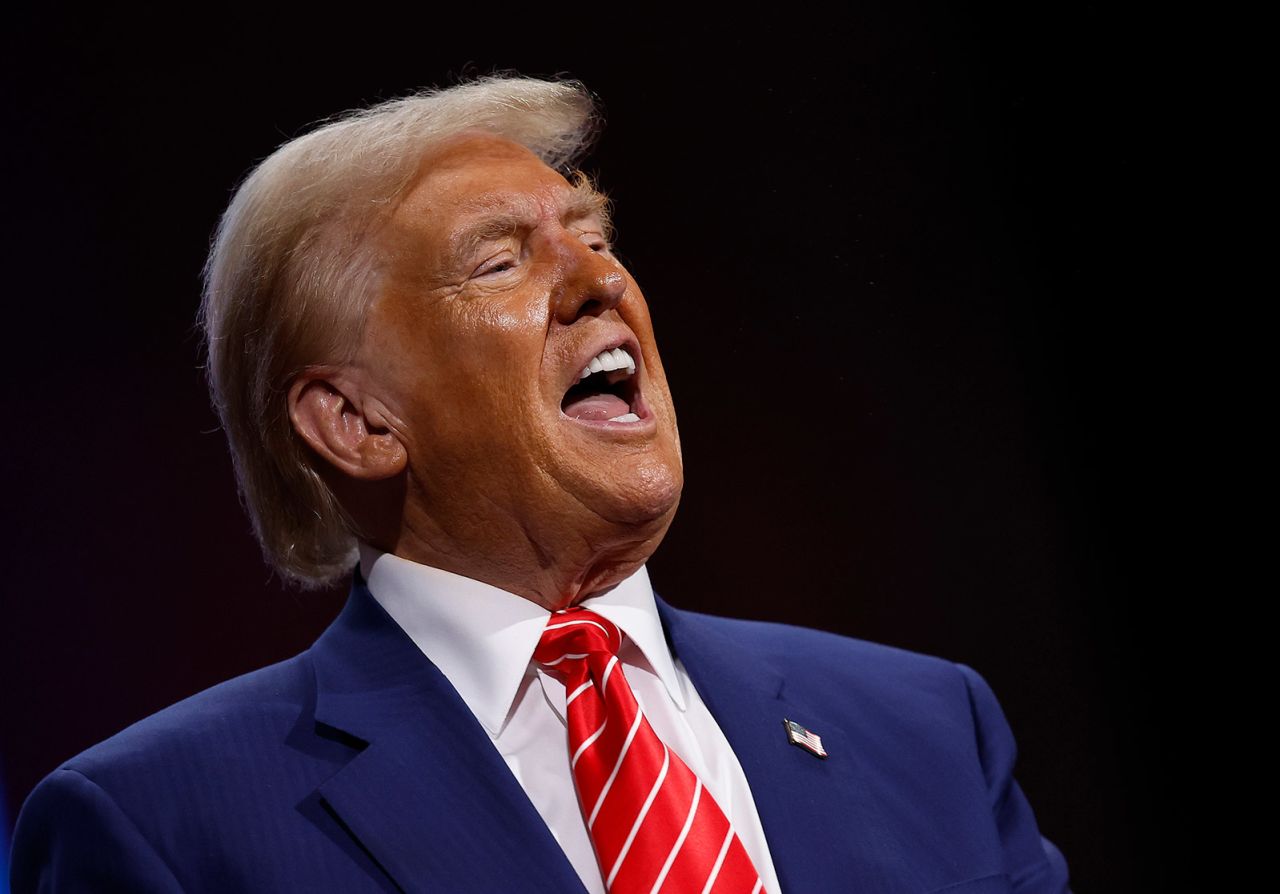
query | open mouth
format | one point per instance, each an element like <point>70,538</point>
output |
<point>607,390</point>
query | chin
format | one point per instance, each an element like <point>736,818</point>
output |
<point>650,497</point>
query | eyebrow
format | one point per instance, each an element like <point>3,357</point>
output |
<point>583,201</point>
<point>586,201</point>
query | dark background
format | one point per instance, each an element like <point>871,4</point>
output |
<point>890,257</point>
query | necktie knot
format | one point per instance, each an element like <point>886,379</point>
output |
<point>574,635</point>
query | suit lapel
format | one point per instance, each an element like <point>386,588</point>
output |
<point>428,797</point>
<point>820,817</point>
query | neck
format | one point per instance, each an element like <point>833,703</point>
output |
<point>554,567</point>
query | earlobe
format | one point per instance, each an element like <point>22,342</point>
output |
<point>326,415</point>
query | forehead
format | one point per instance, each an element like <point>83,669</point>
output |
<point>474,175</point>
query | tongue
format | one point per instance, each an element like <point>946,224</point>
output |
<point>596,407</point>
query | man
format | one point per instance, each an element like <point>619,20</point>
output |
<point>435,376</point>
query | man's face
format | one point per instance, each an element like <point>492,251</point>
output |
<point>499,289</point>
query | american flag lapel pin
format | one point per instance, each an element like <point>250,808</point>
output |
<point>806,739</point>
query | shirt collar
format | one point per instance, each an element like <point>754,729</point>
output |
<point>482,638</point>
<point>631,606</point>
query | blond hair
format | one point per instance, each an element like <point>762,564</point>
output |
<point>290,277</point>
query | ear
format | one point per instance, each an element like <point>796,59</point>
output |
<point>325,408</point>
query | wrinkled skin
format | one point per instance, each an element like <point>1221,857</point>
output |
<point>445,438</point>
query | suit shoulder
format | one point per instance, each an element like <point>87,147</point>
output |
<point>261,703</point>
<point>833,662</point>
<point>789,641</point>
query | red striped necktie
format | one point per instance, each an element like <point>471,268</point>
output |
<point>654,826</point>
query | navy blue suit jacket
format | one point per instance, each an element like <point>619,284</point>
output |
<point>355,767</point>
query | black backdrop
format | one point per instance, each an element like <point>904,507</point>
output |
<point>888,257</point>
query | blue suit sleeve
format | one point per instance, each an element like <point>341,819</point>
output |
<point>72,836</point>
<point>1034,865</point>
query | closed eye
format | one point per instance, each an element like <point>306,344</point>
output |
<point>499,264</point>
<point>596,242</point>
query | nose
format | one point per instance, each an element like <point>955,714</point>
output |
<point>592,284</point>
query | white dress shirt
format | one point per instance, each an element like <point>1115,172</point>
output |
<point>482,639</point>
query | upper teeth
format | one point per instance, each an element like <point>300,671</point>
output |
<point>607,361</point>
